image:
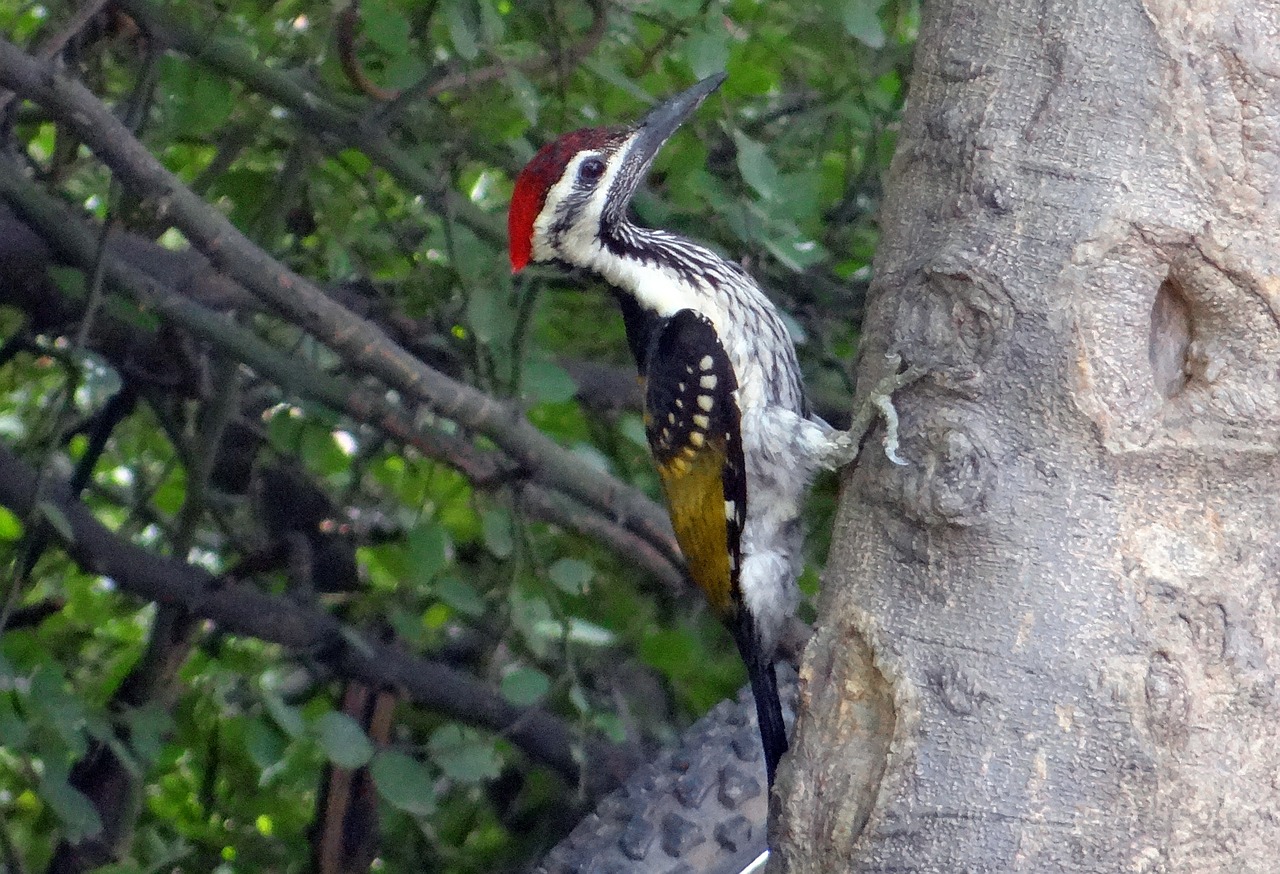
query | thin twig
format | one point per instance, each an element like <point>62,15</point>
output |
<point>434,87</point>
<point>246,610</point>
<point>359,342</point>
<point>59,40</point>
<point>362,403</point>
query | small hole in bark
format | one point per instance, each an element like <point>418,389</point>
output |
<point>1171,333</point>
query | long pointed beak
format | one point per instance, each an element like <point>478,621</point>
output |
<point>649,134</point>
<point>663,120</point>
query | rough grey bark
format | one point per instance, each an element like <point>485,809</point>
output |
<point>1051,643</point>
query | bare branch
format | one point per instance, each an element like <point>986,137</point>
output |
<point>358,341</point>
<point>471,78</point>
<point>323,115</point>
<point>245,610</point>
<point>363,403</point>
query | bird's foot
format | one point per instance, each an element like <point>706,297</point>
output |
<point>878,403</point>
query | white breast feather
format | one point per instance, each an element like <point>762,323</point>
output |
<point>781,447</point>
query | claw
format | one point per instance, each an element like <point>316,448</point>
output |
<point>884,403</point>
<point>881,401</point>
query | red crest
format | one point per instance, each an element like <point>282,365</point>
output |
<point>537,178</point>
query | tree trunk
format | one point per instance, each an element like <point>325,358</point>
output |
<point>1051,642</point>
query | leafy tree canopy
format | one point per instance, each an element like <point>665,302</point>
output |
<point>304,453</point>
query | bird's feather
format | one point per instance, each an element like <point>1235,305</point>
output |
<point>694,428</point>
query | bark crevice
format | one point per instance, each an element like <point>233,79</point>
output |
<point>1070,591</point>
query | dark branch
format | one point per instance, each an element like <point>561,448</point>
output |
<point>338,127</point>
<point>124,344</point>
<point>244,610</point>
<point>358,341</point>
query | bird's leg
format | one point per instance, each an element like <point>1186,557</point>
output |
<point>845,445</point>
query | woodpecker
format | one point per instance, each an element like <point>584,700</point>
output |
<point>735,442</point>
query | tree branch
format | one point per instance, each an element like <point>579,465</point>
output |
<point>432,87</point>
<point>337,127</point>
<point>244,610</point>
<point>362,403</point>
<point>356,340</point>
<point>58,41</point>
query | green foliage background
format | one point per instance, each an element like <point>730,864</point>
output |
<point>781,168</point>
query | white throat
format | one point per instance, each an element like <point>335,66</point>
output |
<point>656,287</point>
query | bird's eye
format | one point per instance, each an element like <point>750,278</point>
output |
<point>591,170</point>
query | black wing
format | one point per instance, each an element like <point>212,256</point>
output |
<point>694,428</point>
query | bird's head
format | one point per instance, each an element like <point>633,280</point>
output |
<point>577,188</point>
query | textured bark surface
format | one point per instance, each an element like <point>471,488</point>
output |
<point>1051,643</point>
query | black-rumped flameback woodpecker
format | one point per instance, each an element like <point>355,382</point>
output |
<point>735,443</point>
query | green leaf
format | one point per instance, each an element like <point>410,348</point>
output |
<point>574,631</point>
<point>194,102</point>
<point>286,716</point>
<point>54,706</point>
<point>606,67</point>
<point>474,260</point>
<point>265,745</point>
<point>321,450</point>
<point>148,726</point>
<point>678,8</point>
<point>755,165</point>
<point>436,617</point>
<point>464,755</point>
<point>672,651</point>
<point>69,280</point>
<point>525,687</point>
<point>547,382</point>
<point>385,26</point>
<point>525,94</point>
<point>172,492</point>
<point>571,575</point>
<point>862,22</point>
<point>13,728</point>
<point>530,613</point>
<point>354,159</point>
<point>10,525</point>
<point>387,565</point>
<point>748,77</point>
<point>793,250</point>
<point>404,782</point>
<point>631,426</point>
<point>104,732</point>
<point>491,24</point>
<point>428,551</point>
<point>73,809</point>
<point>461,31</point>
<point>707,48</point>
<point>343,740</point>
<point>491,318</point>
<point>98,381</point>
<point>460,595</point>
<point>498,538</point>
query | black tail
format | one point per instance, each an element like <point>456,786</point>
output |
<point>764,688</point>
